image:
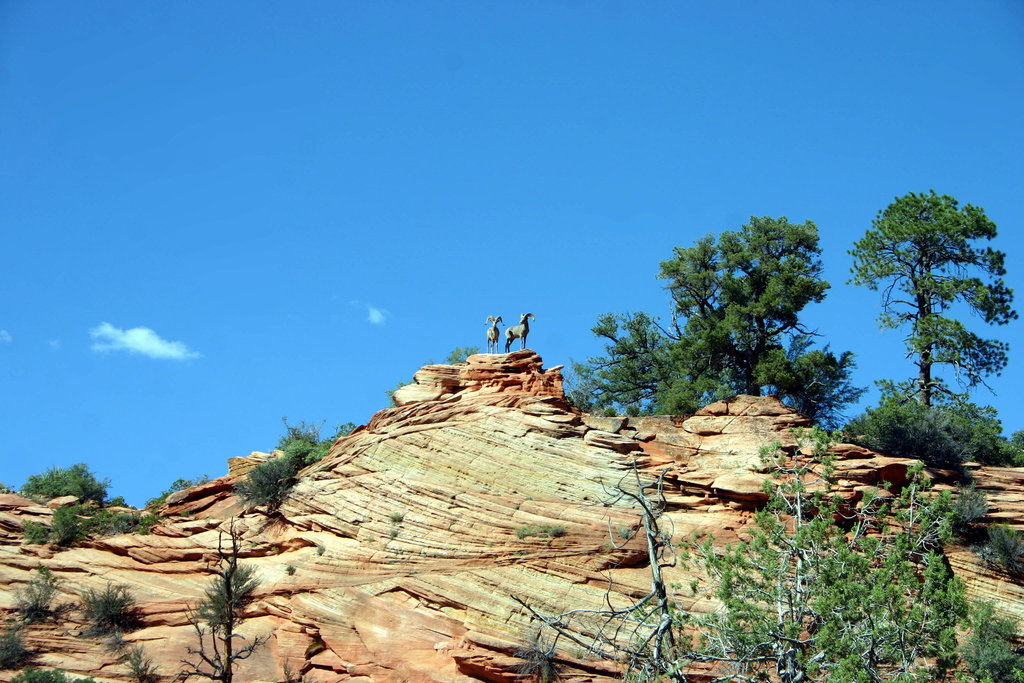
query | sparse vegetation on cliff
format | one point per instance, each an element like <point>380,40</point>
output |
<point>76,481</point>
<point>110,611</point>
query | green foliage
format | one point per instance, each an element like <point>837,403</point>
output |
<point>36,533</point>
<point>396,517</point>
<point>108,523</point>
<point>140,666</point>
<point>34,603</point>
<point>800,598</point>
<point>76,480</point>
<point>218,646</point>
<point>269,483</point>
<point>30,675</point>
<point>988,651</point>
<point>969,508</point>
<point>1005,547</point>
<point>942,436</point>
<point>227,596</point>
<point>460,353</point>
<point>809,600</point>
<point>550,530</point>
<point>303,444</point>
<point>177,485</point>
<point>111,610</point>
<point>67,527</point>
<point>12,647</point>
<point>735,328</point>
<point>921,253</point>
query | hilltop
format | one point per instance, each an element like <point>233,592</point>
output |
<point>397,556</point>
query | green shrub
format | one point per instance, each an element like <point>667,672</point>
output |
<point>12,647</point>
<point>30,675</point>
<point>268,483</point>
<point>110,610</point>
<point>968,508</point>
<point>988,651</point>
<point>67,527</point>
<point>396,517</point>
<point>146,523</point>
<point>303,443</point>
<point>551,530</point>
<point>1004,547</point>
<point>36,532</point>
<point>108,523</point>
<point>177,485</point>
<point>941,436</point>
<point>76,480</point>
<point>140,666</point>
<point>910,430</point>
<point>34,602</point>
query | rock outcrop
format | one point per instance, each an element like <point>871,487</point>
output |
<point>396,558</point>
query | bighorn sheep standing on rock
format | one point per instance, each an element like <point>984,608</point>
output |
<point>519,331</point>
<point>492,334</point>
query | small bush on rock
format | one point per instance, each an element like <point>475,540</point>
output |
<point>67,527</point>
<point>538,660</point>
<point>1005,547</point>
<point>968,508</point>
<point>177,485</point>
<point>268,483</point>
<point>34,603</point>
<point>111,610</point>
<point>36,533</point>
<point>303,443</point>
<point>30,675</point>
<point>140,666</point>
<point>12,647</point>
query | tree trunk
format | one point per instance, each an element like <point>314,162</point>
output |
<point>924,377</point>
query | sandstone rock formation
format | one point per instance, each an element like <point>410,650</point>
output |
<point>396,558</point>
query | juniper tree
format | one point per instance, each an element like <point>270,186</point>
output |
<point>735,327</point>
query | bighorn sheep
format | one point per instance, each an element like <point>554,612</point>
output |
<point>519,331</point>
<point>492,333</point>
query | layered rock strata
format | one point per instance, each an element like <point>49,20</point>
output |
<point>398,556</point>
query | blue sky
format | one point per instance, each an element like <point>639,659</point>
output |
<point>214,215</point>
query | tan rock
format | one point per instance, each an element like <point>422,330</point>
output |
<point>397,556</point>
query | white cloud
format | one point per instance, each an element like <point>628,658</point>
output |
<point>5,337</point>
<point>138,340</point>
<point>54,344</point>
<point>376,315</point>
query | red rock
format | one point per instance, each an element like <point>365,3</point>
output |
<point>407,542</point>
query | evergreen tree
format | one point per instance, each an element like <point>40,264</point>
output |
<point>735,329</point>
<point>230,590</point>
<point>921,253</point>
<point>818,590</point>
